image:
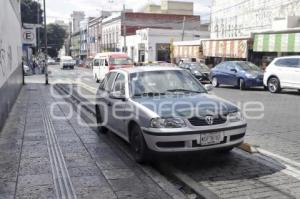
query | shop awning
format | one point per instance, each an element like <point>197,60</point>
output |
<point>281,42</point>
<point>231,48</point>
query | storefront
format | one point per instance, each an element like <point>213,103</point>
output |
<point>220,50</point>
<point>269,45</point>
<point>187,50</point>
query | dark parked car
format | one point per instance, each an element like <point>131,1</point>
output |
<point>242,74</point>
<point>199,70</point>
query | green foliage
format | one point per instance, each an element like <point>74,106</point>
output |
<point>31,12</point>
<point>56,37</point>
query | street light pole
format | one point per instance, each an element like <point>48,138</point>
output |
<point>124,29</point>
<point>46,45</point>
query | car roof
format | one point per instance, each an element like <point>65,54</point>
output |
<point>146,69</point>
<point>285,57</point>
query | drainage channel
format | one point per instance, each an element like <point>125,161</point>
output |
<point>178,179</point>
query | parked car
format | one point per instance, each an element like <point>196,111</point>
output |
<point>282,73</point>
<point>178,116</point>
<point>242,74</point>
<point>26,69</point>
<point>104,62</point>
<point>67,62</point>
<point>199,70</point>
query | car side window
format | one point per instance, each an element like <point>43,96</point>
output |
<point>96,62</point>
<point>106,62</point>
<point>288,62</point>
<point>110,80</point>
<point>120,84</point>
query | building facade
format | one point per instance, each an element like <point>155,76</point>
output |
<point>10,56</point>
<point>117,25</point>
<point>150,44</point>
<point>75,45</point>
<point>239,18</point>
<point>83,39</point>
<point>170,7</point>
<point>76,18</point>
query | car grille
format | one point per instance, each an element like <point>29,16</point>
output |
<point>201,121</point>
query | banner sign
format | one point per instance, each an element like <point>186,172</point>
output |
<point>226,48</point>
<point>288,42</point>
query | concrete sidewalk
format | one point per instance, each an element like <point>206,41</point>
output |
<point>46,153</point>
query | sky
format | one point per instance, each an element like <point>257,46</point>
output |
<point>61,9</point>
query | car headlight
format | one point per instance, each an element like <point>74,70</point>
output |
<point>167,123</point>
<point>235,117</point>
<point>249,75</point>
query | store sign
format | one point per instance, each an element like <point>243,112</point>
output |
<point>288,42</point>
<point>225,48</point>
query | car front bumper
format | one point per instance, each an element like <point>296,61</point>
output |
<point>188,140</point>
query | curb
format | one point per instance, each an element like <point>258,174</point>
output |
<point>248,148</point>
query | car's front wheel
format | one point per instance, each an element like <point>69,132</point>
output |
<point>274,85</point>
<point>101,129</point>
<point>242,84</point>
<point>138,145</point>
<point>215,82</point>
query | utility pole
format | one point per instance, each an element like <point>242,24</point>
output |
<point>124,29</point>
<point>46,45</point>
<point>183,28</point>
<point>38,28</point>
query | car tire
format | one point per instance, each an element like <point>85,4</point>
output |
<point>274,85</point>
<point>138,145</point>
<point>215,82</point>
<point>101,129</point>
<point>242,84</point>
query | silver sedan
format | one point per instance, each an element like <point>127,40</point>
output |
<point>165,109</point>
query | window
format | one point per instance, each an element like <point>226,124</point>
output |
<point>96,62</point>
<point>120,83</point>
<point>110,80</point>
<point>289,62</point>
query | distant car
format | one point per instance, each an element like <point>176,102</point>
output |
<point>104,62</point>
<point>241,74</point>
<point>165,109</point>
<point>27,70</point>
<point>162,63</point>
<point>283,73</point>
<point>199,70</point>
<point>67,62</point>
<point>51,61</point>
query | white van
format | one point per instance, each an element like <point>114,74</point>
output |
<point>67,62</point>
<point>104,62</point>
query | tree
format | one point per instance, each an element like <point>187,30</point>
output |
<point>31,12</point>
<point>56,37</point>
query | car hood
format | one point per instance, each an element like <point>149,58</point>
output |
<point>187,105</point>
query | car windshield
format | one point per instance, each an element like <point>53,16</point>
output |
<point>248,66</point>
<point>121,61</point>
<point>199,67</point>
<point>162,82</point>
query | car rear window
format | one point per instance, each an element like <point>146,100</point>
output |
<point>288,62</point>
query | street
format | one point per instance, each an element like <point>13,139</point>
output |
<point>273,172</point>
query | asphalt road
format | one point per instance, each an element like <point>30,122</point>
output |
<point>272,173</point>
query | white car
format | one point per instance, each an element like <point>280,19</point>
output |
<point>67,62</point>
<point>27,70</point>
<point>283,73</point>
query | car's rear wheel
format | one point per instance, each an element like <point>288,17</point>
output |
<point>138,145</point>
<point>101,129</point>
<point>274,85</point>
<point>215,82</point>
<point>242,84</point>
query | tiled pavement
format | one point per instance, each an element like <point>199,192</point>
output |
<point>44,154</point>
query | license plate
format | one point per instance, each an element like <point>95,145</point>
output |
<point>211,138</point>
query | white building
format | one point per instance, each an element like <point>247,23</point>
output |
<point>239,18</point>
<point>149,45</point>
<point>76,17</point>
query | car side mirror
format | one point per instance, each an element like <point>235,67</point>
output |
<point>233,70</point>
<point>117,95</point>
<point>208,87</point>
